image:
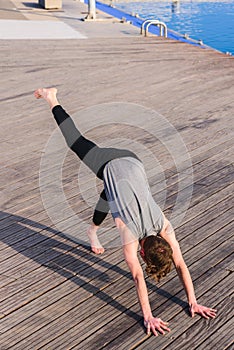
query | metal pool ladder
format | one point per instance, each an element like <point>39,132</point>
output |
<point>146,24</point>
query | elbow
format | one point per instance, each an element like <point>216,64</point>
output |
<point>138,278</point>
<point>181,268</point>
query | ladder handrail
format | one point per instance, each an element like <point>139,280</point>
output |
<point>161,24</point>
<point>149,22</point>
<point>144,23</point>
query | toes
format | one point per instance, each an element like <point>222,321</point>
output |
<point>37,94</point>
<point>97,250</point>
<point>94,250</point>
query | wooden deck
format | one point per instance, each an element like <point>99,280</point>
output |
<point>54,293</point>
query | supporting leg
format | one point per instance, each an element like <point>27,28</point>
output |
<point>96,246</point>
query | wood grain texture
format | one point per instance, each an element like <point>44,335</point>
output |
<point>55,294</point>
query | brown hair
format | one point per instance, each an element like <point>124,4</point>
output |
<point>158,257</point>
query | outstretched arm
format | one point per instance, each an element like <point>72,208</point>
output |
<point>150,322</point>
<point>184,275</point>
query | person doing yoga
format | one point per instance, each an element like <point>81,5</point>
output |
<point>137,217</point>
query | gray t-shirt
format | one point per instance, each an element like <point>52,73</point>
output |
<point>130,199</point>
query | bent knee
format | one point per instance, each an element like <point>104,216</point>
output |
<point>119,223</point>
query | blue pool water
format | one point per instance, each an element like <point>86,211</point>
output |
<point>211,22</point>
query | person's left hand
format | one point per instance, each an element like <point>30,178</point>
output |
<point>204,311</point>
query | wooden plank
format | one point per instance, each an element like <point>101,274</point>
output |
<point>67,295</point>
<point>223,336</point>
<point>112,315</point>
<point>89,214</point>
<point>182,76</point>
<point>23,165</point>
<point>173,292</point>
<point>215,182</point>
<point>193,238</point>
<point>120,324</point>
<point>73,310</point>
<point>201,207</point>
<point>182,328</point>
<point>35,259</point>
<point>21,245</point>
<point>201,231</point>
<point>44,279</point>
<point>180,322</point>
<point>16,227</point>
<point>202,332</point>
<point>216,227</point>
<point>4,279</point>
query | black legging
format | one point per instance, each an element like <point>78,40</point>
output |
<point>92,155</point>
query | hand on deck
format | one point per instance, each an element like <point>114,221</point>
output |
<point>204,311</point>
<point>155,324</point>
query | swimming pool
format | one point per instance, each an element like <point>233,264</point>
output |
<point>212,21</point>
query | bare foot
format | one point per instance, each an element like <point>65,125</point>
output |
<point>47,94</point>
<point>96,246</point>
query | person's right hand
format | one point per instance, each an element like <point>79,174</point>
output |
<point>155,324</point>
